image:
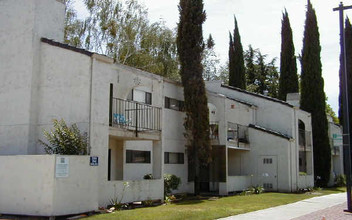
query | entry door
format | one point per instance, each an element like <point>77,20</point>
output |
<point>267,172</point>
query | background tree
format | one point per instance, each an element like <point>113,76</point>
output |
<point>74,28</point>
<point>210,60</point>
<point>262,76</point>
<point>190,50</point>
<point>313,97</point>
<point>122,31</point>
<point>288,82</point>
<point>251,68</point>
<point>236,62</point>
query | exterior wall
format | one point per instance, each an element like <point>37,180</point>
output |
<point>36,191</point>
<point>265,116</point>
<point>135,191</point>
<point>19,52</point>
<point>173,136</point>
<point>336,151</point>
<point>239,183</point>
<point>65,75</point>
<point>264,144</point>
<point>136,171</point>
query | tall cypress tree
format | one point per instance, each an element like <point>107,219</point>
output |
<point>348,49</point>
<point>288,82</point>
<point>313,97</point>
<point>190,49</point>
<point>237,77</point>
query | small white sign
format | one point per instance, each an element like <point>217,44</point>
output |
<point>62,167</point>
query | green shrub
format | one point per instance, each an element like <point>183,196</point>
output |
<point>340,180</point>
<point>256,189</point>
<point>171,182</point>
<point>65,140</point>
<point>148,176</point>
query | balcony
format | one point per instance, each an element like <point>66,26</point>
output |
<point>214,132</point>
<point>134,117</point>
<point>335,151</point>
<point>305,140</point>
<point>237,136</point>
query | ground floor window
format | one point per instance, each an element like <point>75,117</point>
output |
<point>136,156</point>
<point>174,158</point>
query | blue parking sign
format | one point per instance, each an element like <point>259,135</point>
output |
<point>94,161</point>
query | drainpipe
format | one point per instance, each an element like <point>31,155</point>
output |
<point>90,103</point>
<point>296,149</point>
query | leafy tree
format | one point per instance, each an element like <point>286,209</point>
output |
<point>223,73</point>
<point>210,61</point>
<point>190,50</point>
<point>313,97</point>
<point>332,114</point>
<point>272,79</point>
<point>236,62</point>
<point>65,140</point>
<point>288,82</point>
<point>262,76</point>
<point>122,31</point>
<point>251,69</point>
<point>74,28</point>
<point>262,73</point>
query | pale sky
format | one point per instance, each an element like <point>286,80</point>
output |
<point>260,25</point>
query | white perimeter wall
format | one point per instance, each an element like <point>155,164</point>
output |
<point>28,186</point>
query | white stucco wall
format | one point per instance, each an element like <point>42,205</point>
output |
<point>19,52</point>
<point>173,136</point>
<point>279,120</point>
<point>136,171</point>
<point>265,144</point>
<point>28,186</point>
<point>64,89</point>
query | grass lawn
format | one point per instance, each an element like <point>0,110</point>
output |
<point>212,209</point>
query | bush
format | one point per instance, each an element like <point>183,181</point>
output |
<point>256,189</point>
<point>65,140</point>
<point>340,180</point>
<point>171,182</point>
<point>148,176</point>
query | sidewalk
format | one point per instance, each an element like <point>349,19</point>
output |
<point>329,206</point>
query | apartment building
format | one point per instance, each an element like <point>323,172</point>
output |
<point>134,121</point>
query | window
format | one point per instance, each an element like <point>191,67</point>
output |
<point>136,156</point>
<point>148,98</point>
<point>140,96</point>
<point>267,160</point>
<point>174,104</point>
<point>174,158</point>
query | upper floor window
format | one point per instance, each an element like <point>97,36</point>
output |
<point>141,96</point>
<point>174,104</point>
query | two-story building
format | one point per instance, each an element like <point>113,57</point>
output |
<point>134,121</point>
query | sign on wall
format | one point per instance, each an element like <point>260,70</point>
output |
<point>94,161</point>
<point>62,167</point>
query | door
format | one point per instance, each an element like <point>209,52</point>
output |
<point>267,172</point>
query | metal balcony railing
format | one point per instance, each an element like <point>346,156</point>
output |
<point>335,151</point>
<point>214,130</point>
<point>135,116</point>
<point>237,133</point>
<point>305,139</point>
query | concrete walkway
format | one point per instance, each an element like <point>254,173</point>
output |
<point>298,209</point>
